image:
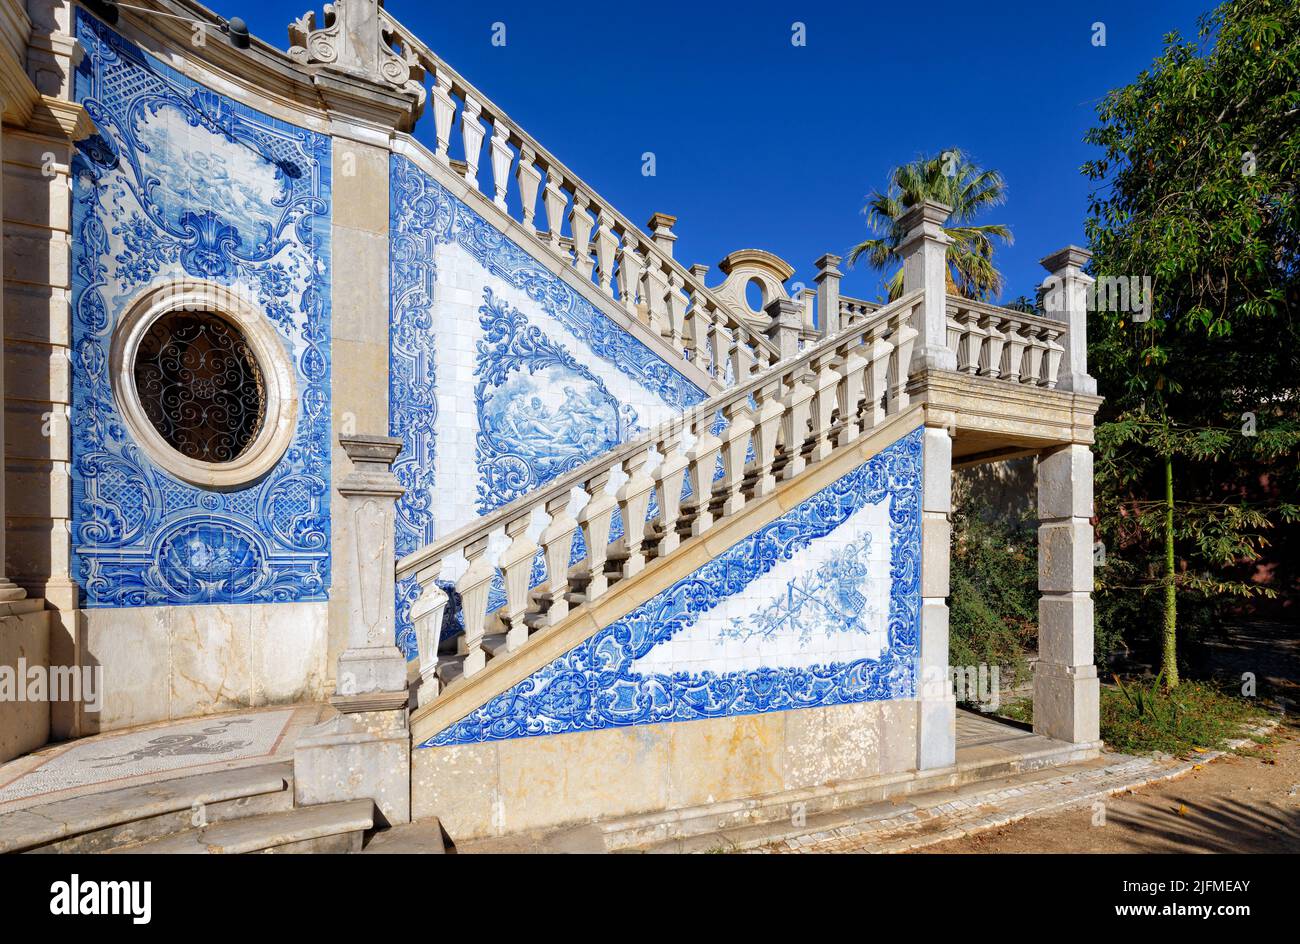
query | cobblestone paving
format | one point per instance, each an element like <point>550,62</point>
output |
<point>952,814</point>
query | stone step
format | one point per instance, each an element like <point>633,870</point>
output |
<point>96,822</point>
<point>329,827</point>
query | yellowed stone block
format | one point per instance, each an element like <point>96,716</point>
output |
<point>459,786</point>
<point>722,758</point>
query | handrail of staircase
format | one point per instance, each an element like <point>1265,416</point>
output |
<point>674,302</point>
<point>1005,344</point>
<point>792,415</point>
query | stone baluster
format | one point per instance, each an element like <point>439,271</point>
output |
<point>1034,350</point>
<point>633,502</point>
<point>925,268</point>
<point>372,666</point>
<point>828,292</point>
<point>971,343</point>
<point>825,384</point>
<point>991,355</point>
<point>1066,300</point>
<point>444,112</point>
<point>629,274</point>
<point>1052,357</point>
<point>1013,350</point>
<point>555,199</point>
<point>426,613</point>
<point>903,337</point>
<point>878,386</point>
<point>473,587</point>
<point>656,291</point>
<point>702,459</point>
<point>580,225</point>
<point>718,344</point>
<point>516,565</point>
<point>472,131</point>
<point>595,518</point>
<point>606,247</point>
<point>794,424</point>
<point>767,425</point>
<point>501,158</point>
<point>529,179</point>
<point>674,305</point>
<point>850,392</point>
<point>740,424</point>
<point>557,546</point>
<point>668,483</point>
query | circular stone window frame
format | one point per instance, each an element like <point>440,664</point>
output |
<point>279,419</point>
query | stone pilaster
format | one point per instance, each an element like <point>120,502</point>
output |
<point>9,591</point>
<point>1066,299</point>
<point>936,705</point>
<point>371,666</point>
<point>1065,679</point>
<point>364,752</point>
<point>784,327</point>
<point>925,268</point>
<point>828,292</point>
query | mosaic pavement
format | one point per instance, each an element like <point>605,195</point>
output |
<point>155,752</point>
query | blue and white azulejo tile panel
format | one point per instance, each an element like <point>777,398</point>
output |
<point>181,183</point>
<point>819,607</point>
<point>502,377</point>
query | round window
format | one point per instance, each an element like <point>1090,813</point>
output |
<point>204,384</point>
<point>200,385</point>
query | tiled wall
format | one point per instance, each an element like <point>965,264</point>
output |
<point>819,607</point>
<point>183,183</point>
<point>502,377</point>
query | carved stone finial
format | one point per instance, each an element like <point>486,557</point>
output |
<point>356,39</point>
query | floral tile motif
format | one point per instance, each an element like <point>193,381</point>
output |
<point>554,381</point>
<point>861,645</point>
<point>181,182</point>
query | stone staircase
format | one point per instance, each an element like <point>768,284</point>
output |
<point>250,809</point>
<point>694,476</point>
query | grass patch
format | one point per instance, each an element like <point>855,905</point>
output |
<point>1139,716</point>
<point>1020,709</point>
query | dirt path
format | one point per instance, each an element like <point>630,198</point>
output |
<point>1234,804</point>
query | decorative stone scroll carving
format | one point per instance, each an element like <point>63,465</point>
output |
<point>357,38</point>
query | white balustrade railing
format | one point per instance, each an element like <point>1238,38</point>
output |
<point>601,245</point>
<point>791,416</point>
<point>1003,344</point>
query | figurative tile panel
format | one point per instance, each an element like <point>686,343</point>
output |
<point>819,607</point>
<point>502,377</point>
<point>182,183</point>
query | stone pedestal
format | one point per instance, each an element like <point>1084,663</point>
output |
<point>936,743</point>
<point>365,751</point>
<point>784,329</point>
<point>1065,298</point>
<point>1065,679</point>
<point>828,292</point>
<point>925,268</point>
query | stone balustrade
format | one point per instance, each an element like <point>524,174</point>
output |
<point>765,430</point>
<point>1003,344</point>
<point>631,268</point>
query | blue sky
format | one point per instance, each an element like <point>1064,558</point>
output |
<point>759,143</point>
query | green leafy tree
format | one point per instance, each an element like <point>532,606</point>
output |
<point>1196,189</point>
<point>950,178</point>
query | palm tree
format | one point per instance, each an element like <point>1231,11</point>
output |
<point>948,178</point>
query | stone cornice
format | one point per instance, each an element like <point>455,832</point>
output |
<point>58,118</point>
<point>17,94</point>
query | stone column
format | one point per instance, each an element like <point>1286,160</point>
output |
<point>1065,679</point>
<point>784,329</point>
<point>828,292</point>
<point>364,752</point>
<point>936,707</point>
<point>925,267</point>
<point>1066,299</point>
<point>9,591</point>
